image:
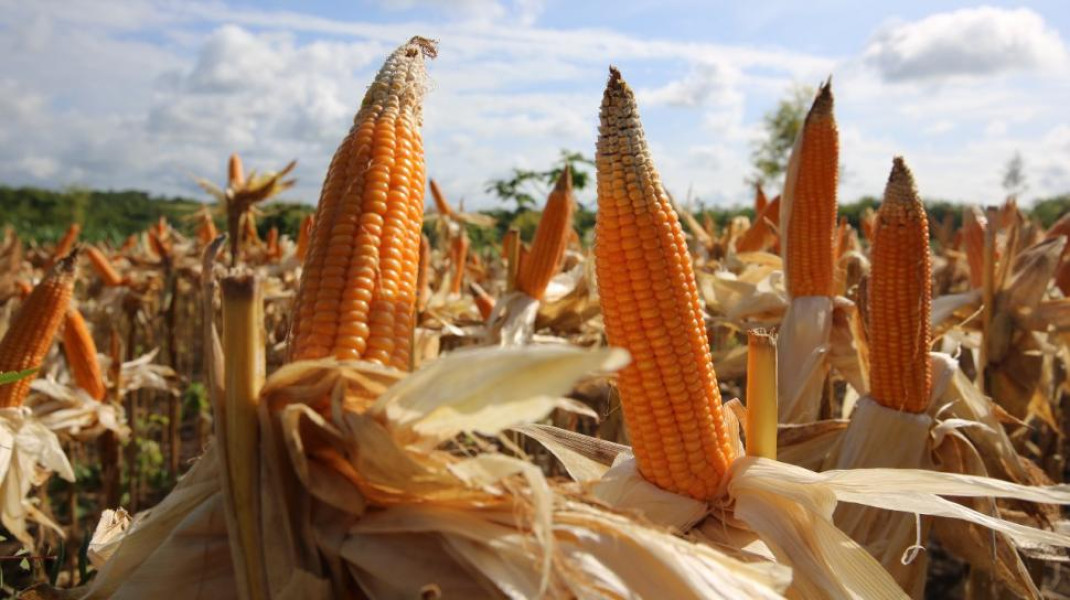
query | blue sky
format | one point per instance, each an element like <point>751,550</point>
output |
<point>142,93</point>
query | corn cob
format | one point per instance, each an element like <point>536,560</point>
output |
<point>423,275</point>
<point>129,244</point>
<point>650,304</point>
<point>358,288</point>
<point>551,239</point>
<point>810,196</point>
<point>159,245</point>
<point>250,235</point>
<point>760,201</point>
<point>974,226</point>
<point>81,352</point>
<point>64,245</point>
<point>484,301</point>
<point>103,267</point>
<point>235,172</point>
<point>30,335</point>
<point>273,250</point>
<point>206,231</point>
<point>900,295</point>
<point>303,236</point>
<point>441,204</point>
<point>25,288</point>
<point>843,239</point>
<point>458,258</point>
<point>761,234</point>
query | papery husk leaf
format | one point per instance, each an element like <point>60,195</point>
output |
<point>585,458</point>
<point>803,347</point>
<point>624,488</point>
<point>879,436</point>
<point>486,390</point>
<point>176,549</point>
<point>991,552</point>
<point>512,322</point>
<point>26,444</point>
<point>848,350</point>
<point>756,293</point>
<point>807,445</point>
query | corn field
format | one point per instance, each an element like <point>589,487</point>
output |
<point>372,407</point>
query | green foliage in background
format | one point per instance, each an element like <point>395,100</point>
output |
<point>780,127</point>
<point>43,215</point>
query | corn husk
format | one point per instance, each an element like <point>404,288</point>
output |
<point>29,453</point>
<point>803,347</point>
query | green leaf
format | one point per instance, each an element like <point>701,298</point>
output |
<point>13,376</point>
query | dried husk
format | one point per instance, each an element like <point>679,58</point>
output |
<point>803,347</point>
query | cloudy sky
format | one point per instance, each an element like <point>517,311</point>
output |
<point>141,93</point>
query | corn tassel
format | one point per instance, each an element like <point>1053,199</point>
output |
<point>650,303</point>
<point>81,353</point>
<point>358,288</point>
<point>30,334</point>
<point>810,203</point>
<point>551,239</point>
<point>900,298</point>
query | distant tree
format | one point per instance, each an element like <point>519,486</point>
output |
<point>527,188</point>
<point>1014,175</point>
<point>781,125</point>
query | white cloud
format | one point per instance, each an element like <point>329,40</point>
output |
<point>709,82</point>
<point>143,99</point>
<point>968,42</point>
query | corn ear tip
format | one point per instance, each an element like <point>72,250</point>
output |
<point>425,46</point>
<point>824,101</point>
<point>564,181</point>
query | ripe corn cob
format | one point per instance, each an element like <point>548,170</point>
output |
<point>64,245</point>
<point>235,172</point>
<point>303,237</point>
<point>30,335</point>
<point>358,288</point>
<point>551,239</point>
<point>900,295</point>
<point>650,304</point>
<point>458,259</point>
<point>273,250</point>
<point>129,244</point>
<point>206,231</point>
<point>974,226</point>
<point>843,239</point>
<point>441,204</point>
<point>250,235</point>
<point>761,234</point>
<point>760,201</point>
<point>81,352</point>
<point>24,288</point>
<point>423,275</point>
<point>810,196</point>
<point>103,267</point>
<point>484,301</point>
